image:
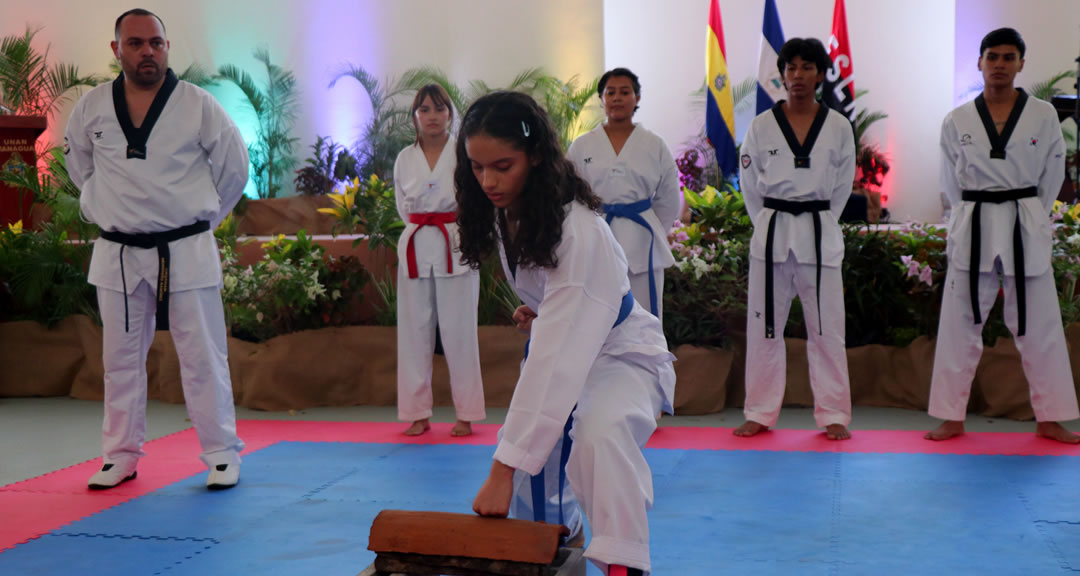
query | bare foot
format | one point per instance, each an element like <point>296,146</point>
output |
<point>947,429</point>
<point>750,428</point>
<point>418,427</point>
<point>462,428</point>
<point>1055,431</point>
<point>837,432</point>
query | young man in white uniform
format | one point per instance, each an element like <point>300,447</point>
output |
<point>797,169</point>
<point>159,164</point>
<point>434,287</point>
<point>1003,162</point>
<point>633,172</point>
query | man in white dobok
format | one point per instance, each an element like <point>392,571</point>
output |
<point>1003,162</point>
<point>159,164</point>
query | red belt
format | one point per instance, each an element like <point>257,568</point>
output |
<point>439,219</point>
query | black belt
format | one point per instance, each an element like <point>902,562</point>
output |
<point>998,197</point>
<point>815,207</point>
<point>159,240</point>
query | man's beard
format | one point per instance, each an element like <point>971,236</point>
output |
<point>147,76</point>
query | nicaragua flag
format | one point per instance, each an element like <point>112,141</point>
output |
<point>770,86</point>
<point>719,108</point>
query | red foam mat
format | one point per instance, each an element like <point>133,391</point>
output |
<point>39,505</point>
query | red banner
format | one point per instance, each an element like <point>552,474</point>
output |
<point>838,91</point>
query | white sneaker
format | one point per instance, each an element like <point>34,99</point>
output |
<point>112,475</point>
<point>223,476</point>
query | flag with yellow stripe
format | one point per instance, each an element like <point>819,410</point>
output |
<point>720,108</point>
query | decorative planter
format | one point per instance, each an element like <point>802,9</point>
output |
<point>357,365</point>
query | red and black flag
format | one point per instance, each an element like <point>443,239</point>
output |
<point>838,91</point>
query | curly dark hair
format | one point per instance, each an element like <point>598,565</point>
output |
<point>518,120</point>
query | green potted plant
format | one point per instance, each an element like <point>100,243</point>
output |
<point>275,106</point>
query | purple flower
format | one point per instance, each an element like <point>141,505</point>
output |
<point>925,275</point>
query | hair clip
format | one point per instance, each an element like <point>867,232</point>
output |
<point>524,128</point>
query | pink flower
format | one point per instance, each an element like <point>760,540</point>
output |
<point>681,236</point>
<point>925,275</point>
<point>912,266</point>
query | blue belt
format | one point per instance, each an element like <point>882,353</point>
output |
<point>633,212</point>
<point>539,499</point>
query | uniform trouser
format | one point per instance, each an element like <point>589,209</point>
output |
<point>1042,350</point>
<point>766,358</point>
<point>450,302</point>
<point>197,325</point>
<point>607,471</point>
<point>639,285</point>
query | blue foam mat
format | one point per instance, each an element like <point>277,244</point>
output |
<point>306,508</point>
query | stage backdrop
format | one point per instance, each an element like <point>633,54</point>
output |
<point>916,57</point>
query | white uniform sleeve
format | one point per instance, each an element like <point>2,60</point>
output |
<point>1053,168</point>
<point>228,155</point>
<point>845,176</point>
<point>949,184</point>
<point>399,194</point>
<point>79,152</point>
<point>567,335</point>
<point>573,154</point>
<point>748,175</point>
<point>667,201</point>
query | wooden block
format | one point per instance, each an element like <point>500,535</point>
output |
<point>393,563</point>
<point>465,535</point>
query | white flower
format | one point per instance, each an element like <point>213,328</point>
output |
<point>335,295</point>
<point>700,267</point>
<point>1073,240</point>
<point>231,282</point>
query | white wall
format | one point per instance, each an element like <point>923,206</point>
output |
<point>914,56</point>
<point>1050,28</point>
<point>896,49</point>
<point>491,40</point>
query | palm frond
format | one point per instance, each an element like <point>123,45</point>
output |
<point>370,83</point>
<point>742,91</point>
<point>417,78</point>
<point>1047,89</point>
<point>196,74</point>
<point>477,88</point>
<point>527,80</point>
<point>29,86</point>
<point>864,119</point>
<point>246,84</point>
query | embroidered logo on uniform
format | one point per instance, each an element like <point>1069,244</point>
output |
<point>965,140</point>
<point>588,160</point>
<point>757,314</point>
<point>98,134</point>
<point>1034,141</point>
<point>67,147</point>
<point>745,160</point>
<point>774,151</point>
